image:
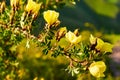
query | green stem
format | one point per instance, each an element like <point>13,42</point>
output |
<point>46,4</point>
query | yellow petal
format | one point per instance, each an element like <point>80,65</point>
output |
<point>50,16</point>
<point>76,32</point>
<point>70,36</point>
<point>33,7</point>
<point>101,65</point>
<point>94,70</point>
<point>100,44</point>
<point>101,75</point>
<point>14,3</point>
<point>62,30</point>
<point>37,8</point>
<point>93,39</point>
<point>29,5</point>
<point>97,69</point>
<point>78,39</point>
<point>107,47</point>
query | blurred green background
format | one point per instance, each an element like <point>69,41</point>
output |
<point>103,14</point>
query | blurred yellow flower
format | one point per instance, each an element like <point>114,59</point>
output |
<point>97,69</point>
<point>14,3</point>
<point>50,16</point>
<point>100,44</point>
<point>72,38</point>
<point>33,7</point>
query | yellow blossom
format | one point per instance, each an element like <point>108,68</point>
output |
<point>50,16</point>
<point>72,38</point>
<point>100,44</point>
<point>33,7</point>
<point>97,69</point>
<point>14,3</point>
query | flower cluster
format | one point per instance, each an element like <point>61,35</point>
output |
<point>98,45</point>
<point>83,56</point>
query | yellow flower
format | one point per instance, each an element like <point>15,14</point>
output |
<point>97,69</point>
<point>51,16</point>
<point>33,7</point>
<point>72,38</point>
<point>14,3</point>
<point>100,44</point>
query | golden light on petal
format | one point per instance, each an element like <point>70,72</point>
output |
<point>72,38</point>
<point>37,8</point>
<point>14,3</point>
<point>97,69</point>
<point>100,44</point>
<point>50,16</point>
<point>33,7</point>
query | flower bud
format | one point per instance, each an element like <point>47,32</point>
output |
<point>93,39</point>
<point>56,23</point>
<point>76,32</point>
<point>93,42</point>
<point>61,32</point>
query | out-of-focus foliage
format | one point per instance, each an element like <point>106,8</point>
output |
<point>113,38</point>
<point>104,7</point>
<point>36,65</point>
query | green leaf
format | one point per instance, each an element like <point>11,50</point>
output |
<point>45,51</point>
